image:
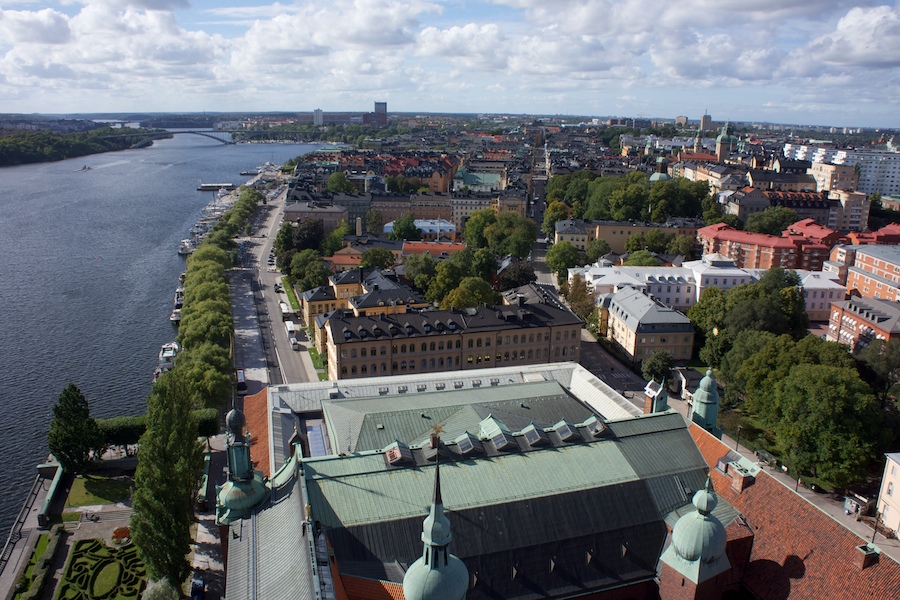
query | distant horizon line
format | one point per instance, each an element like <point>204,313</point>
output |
<point>413,114</point>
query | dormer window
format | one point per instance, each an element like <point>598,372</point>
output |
<point>452,326</point>
<point>427,328</point>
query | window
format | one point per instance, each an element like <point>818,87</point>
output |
<point>423,347</point>
<point>343,370</point>
<point>487,342</point>
<point>440,345</point>
<point>457,344</point>
<point>353,353</point>
<point>431,346</point>
<point>890,489</point>
<point>477,343</point>
<point>353,370</point>
<point>530,338</point>
<point>383,351</point>
<point>403,349</point>
<point>343,353</point>
<point>471,343</point>
<point>362,352</point>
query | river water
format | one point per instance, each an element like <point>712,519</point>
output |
<point>89,270</point>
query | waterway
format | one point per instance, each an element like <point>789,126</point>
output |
<point>89,270</point>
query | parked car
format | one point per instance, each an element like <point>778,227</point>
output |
<point>198,588</point>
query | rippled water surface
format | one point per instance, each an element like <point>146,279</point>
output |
<point>89,269</point>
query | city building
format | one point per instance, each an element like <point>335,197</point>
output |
<point>435,249</point>
<point>745,202</point>
<point>364,291</point>
<point>762,251</point>
<point>859,321</point>
<point>638,325</point>
<point>551,484</point>
<point>423,341</point>
<point>888,504</point>
<point>580,232</point>
<point>834,177</point>
<point>330,215</point>
<point>431,229</point>
<point>874,272</point>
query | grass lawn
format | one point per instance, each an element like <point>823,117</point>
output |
<point>292,297</point>
<point>90,490</point>
<point>66,517</point>
<point>317,360</point>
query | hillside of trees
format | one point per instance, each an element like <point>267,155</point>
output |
<point>23,147</point>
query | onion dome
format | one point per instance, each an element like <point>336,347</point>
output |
<point>699,536</point>
<point>235,422</point>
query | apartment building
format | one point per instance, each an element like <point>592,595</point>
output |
<point>857,322</point>
<point>762,251</point>
<point>834,177</point>
<point>889,493</point>
<point>638,325</point>
<point>426,341</point>
<point>874,272</point>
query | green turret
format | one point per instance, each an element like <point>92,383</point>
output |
<point>705,411</point>
<point>437,574</point>
<point>245,489</point>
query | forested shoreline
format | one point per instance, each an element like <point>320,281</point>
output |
<point>25,147</point>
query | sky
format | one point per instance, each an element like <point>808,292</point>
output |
<point>823,62</point>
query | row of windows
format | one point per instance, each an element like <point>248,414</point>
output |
<point>455,361</point>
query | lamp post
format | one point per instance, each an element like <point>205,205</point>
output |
<point>738,441</point>
<point>875,529</point>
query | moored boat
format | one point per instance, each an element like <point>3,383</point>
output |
<point>175,317</point>
<point>167,354</point>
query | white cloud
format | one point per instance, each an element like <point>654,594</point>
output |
<point>472,45</point>
<point>44,26</point>
<point>864,38</point>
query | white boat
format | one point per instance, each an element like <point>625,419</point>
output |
<point>175,317</point>
<point>179,297</point>
<point>187,247</point>
<point>167,354</point>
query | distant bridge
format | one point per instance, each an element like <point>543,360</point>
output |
<point>224,136</point>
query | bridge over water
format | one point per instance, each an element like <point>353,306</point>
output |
<point>225,136</point>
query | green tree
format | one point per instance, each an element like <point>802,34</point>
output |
<point>170,462</point>
<point>374,221</point>
<point>580,299</point>
<point>772,220</point>
<point>74,439</point>
<point>405,229</point>
<point>420,270</point>
<point>595,249</point>
<point>511,234</point>
<point>642,258</point>
<point>657,366</point>
<point>379,258</point>
<point>880,367</point>
<point>827,422</point>
<point>301,261</point>
<point>334,241</point>
<point>448,275</point>
<point>476,224</point>
<point>516,275</point>
<point>556,211</point>
<point>682,245</point>
<point>338,182</point>
<point>561,257</point>
<point>471,292</point>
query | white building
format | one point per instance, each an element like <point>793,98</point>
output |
<point>889,496</point>
<point>879,170</point>
<point>681,287</point>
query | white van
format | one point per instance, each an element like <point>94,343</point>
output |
<point>291,329</point>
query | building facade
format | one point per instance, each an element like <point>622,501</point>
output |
<point>426,341</point>
<point>639,325</point>
<point>859,321</point>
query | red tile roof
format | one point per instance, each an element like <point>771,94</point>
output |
<point>432,248</point>
<point>357,588</point>
<point>798,550</point>
<point>256,411</point>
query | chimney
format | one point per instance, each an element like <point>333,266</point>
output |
<point>359,230</point>
<point>865,556</point>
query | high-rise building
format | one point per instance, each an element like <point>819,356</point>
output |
<point>318,117</point>
<point>705,122</point>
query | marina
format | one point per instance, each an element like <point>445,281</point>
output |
<point>111,260</point>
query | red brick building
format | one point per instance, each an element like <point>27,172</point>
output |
<point>875,272</point>
<point>859,321</point>
<point>763,251</point>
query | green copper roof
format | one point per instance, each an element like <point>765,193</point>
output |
<point>373,423</point>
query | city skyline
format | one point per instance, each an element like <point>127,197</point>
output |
<point>817,62</point>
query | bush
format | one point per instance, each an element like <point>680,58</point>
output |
<point>122,431</point>
<point>207,422</point>
<point>42,568</point>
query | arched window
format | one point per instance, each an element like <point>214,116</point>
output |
<point>431,346</point>
<point>362,352</point>
<point>424,347</point>
<point>383,351</point>
<point>441,362</point>
<point>394,366</point>
<point>403,349</point>
<point>372,351</point>
<point>353,370</point>
<point>556,352</point>
<point>353,353</point>
<point>545,353</point>
<point>343,370</point>
<point>530,338</point>
<point>515,339</point>
<point>565,350</point>
<point>566,335</point>
<point>384,367</point>
<point>440,345</point>
<point>458,345</point>
<point>471,342</point>
<point>423,363</point>
<point>431,363</point>
<point>530,354</point>
<point>403,365</point>
<point>478,343</point>
<point>375,368</point>
<point>506,356</point>
<point>487,342</point>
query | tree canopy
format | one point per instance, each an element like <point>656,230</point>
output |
<point>338,182</point>
<point>657,366</point>
<point>380,258</point>
<point>561,257</point>
<point>170,463</point>
<point>642,258</point>
<point>772,220</point>
<point>74,439</point>
<point>405,229</point>
<point>595,249</point>
<point>504,234</point>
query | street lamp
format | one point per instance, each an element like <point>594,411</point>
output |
<point>738,442</point>
<point>875,530</point>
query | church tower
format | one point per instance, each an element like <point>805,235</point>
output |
<point>705,405</point>
<point>437,574</point>
<point>693,564</point>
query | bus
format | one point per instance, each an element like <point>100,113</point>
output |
<point>241,382</point>
<point>290,329</point>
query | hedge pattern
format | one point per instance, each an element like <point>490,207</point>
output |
<point>98,572</point>
<point>42,567</point>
